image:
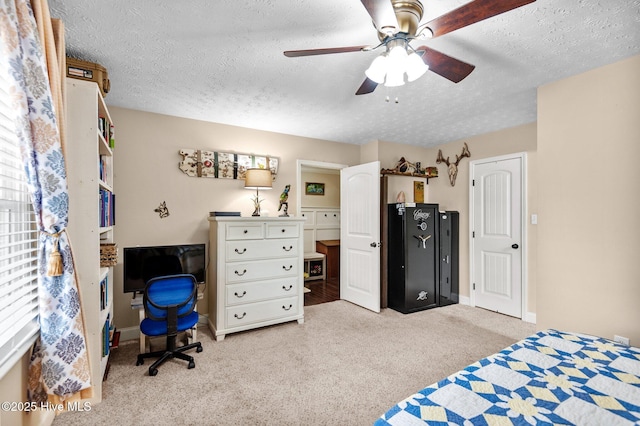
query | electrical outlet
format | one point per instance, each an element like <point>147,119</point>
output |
<point>621,340</point>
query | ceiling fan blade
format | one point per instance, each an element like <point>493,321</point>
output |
<point>382,14</point>
<point>312,52</point>
<point>444,65</point>
<point>367,86</point>
<point>471,13</point>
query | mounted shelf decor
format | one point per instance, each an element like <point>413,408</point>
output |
<point>453,167</point>
<point>407,168</point>
<point>225,165</point>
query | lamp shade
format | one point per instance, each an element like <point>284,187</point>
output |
<point>258,179</point>
<point>415,67</point>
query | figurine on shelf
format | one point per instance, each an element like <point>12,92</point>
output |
<point>404,167</point>
<point>284,197</point>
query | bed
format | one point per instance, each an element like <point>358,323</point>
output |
<point>551,377</point>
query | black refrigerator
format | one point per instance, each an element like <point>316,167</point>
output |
<point>422,269</point>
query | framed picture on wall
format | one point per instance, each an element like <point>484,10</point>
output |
<point>313,188</point>
<point>418,191</point>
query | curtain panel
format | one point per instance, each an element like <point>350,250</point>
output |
<point>60,366</point>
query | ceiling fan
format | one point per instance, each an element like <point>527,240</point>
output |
<point>398,23</point>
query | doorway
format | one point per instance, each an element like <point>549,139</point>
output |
<point>497,222</point>
<point>327,289</point>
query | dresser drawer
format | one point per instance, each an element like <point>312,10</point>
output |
<point>282,230</point>
<point>245,231</point>
<point>262,269</point>
<point>238,294</point>
<point>261,311</point>
<point>261,249</point>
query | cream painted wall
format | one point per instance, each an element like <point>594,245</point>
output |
<point>508,141</point>
<point>588,256</point>
<point>146,174</point>
<point>331,197</point>
<point>13,388</point>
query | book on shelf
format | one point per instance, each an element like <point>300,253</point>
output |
<point>107,208</point>
<point>105,338</point>
<point>104,168</point>
<point>104,293</point>
<point>115,340</point>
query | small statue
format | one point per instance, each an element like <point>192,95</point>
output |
<point>283,201</point>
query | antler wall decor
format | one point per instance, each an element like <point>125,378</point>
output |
<point>453,167</point>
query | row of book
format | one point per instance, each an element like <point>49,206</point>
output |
<point>105,168</point>
<point>104,293</point>
<point>107,209</point>
<point>106,336</point>
<point>107,131</point>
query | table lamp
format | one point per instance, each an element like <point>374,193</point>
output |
<point>257,179</point>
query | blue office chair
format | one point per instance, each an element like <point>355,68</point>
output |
<point>169,304</point>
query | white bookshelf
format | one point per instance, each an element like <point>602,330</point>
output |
<point>89,161</point>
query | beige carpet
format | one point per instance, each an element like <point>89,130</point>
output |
<point>344,366</point>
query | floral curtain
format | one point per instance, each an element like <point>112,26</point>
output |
<point>60,364</point>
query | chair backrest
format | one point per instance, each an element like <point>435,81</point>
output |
<point>168,294</point>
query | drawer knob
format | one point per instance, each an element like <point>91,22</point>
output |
<point>287,289</point>
<point>241,316</point>
<point>285,268</point>
<point>284,230</point>
<point>241,252</point>
<point>245,231</point>
<point>285,308</point>
<point>240,295</point>
<point>240,274</point>
<point>287,249</point>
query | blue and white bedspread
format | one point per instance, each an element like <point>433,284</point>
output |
<point>551,377</point>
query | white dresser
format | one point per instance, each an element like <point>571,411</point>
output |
<point>255,274</point>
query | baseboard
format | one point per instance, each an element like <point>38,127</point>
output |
<point>129,333</point>
<point>530,317</point>
<point>133,333</point>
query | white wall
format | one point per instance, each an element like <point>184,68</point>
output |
<point>146,174</point>
<point>589,192</point>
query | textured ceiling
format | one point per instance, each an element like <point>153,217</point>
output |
<point>222,61</point>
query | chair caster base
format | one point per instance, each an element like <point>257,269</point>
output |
<point>153,371</point>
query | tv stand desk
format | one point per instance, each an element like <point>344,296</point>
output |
<point>136,303</point>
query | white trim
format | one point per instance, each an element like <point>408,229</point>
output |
<point>522,156</point>
<point>17,353</point>
<point>310,163</point>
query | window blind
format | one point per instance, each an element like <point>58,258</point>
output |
<point>18,243</point>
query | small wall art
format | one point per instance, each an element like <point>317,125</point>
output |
<point>313,188</point>
<point>223,165</point>
<point>162,210</point>
<point>418,191</point>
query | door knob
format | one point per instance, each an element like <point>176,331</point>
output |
<point>374,244</point>
<point>514,246</point>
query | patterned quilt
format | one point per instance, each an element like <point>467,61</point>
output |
<point>551,377</point>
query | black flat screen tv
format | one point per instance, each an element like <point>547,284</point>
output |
<point>143,263</point>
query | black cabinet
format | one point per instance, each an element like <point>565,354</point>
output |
<point>413,257</point>
<point>449,259</point>
<point>422,257</point>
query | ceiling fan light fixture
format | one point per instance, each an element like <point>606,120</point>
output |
<point>415,67</point>
<point>395,78</point>
<point>378,69</point>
